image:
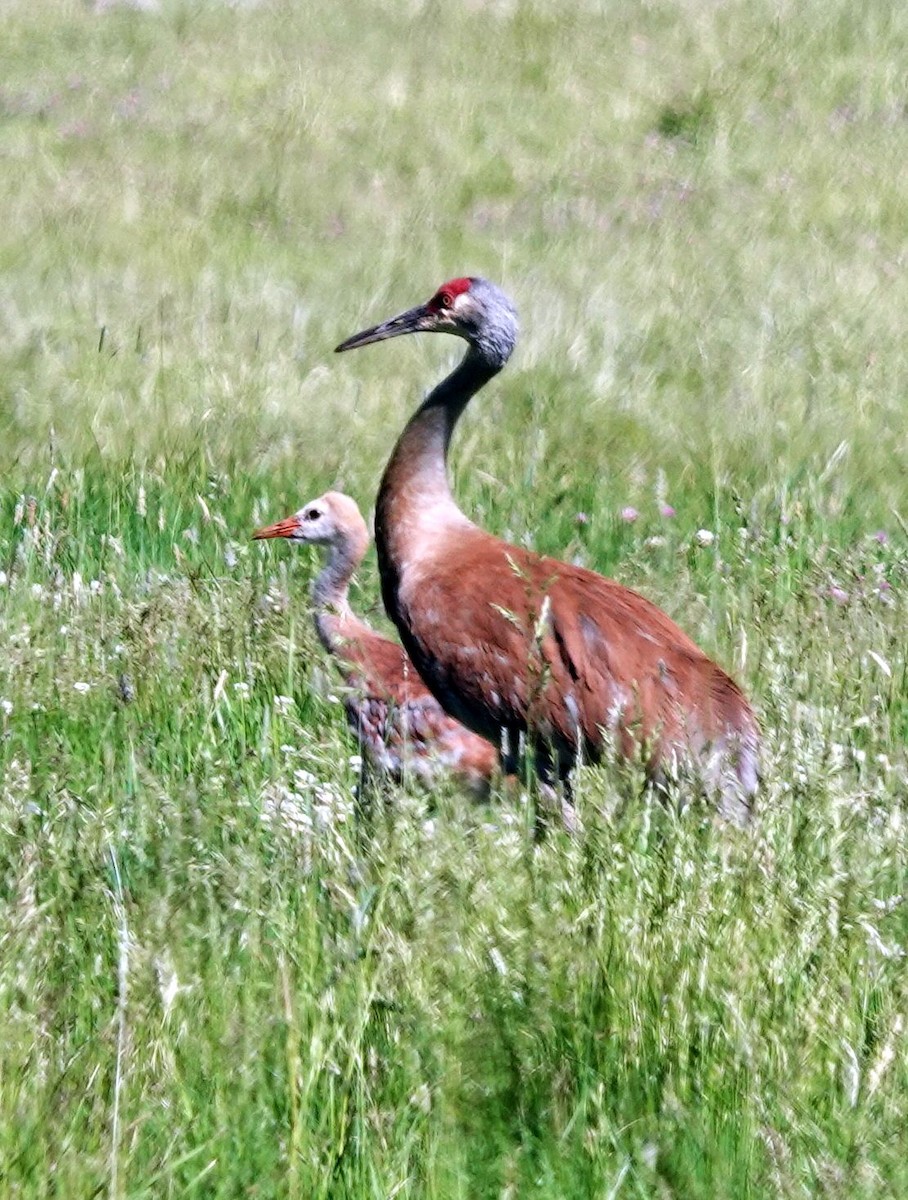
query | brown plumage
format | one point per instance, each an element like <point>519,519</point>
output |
<point>511,642</point>
<point>401,726</point>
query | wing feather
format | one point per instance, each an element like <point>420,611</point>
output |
<point>510,640</point>
<point>399,722</point>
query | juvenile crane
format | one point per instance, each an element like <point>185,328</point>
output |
<point>514,643</point>
<point>400,724</point>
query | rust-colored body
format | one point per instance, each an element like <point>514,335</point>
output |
<point>511,642</point>
<point>400,725</point>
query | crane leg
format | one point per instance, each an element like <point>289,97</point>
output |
<point>555,798</point>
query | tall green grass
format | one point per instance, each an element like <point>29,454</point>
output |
<point>213,982</point>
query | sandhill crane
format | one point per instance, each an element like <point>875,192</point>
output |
<point>512,642</point>
<point>401,726</point>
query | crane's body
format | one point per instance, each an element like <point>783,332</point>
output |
<point>514,643</point>
<point>401,727</point>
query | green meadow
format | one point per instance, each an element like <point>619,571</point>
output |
<point>214,980</point>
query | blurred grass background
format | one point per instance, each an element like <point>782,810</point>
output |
<point>211,985</point>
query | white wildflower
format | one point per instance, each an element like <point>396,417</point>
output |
<point>82,688</point>
<point>705,537</point>
<point>241,689</point>
<point>108,539</point>
<point>873,936</point>
<point>6,706</point>
<point>280,806</point>
<point>330,807</point>
<point>881,663</point>
<point>4,579</point>
<point>851,1073</point>
<point>324,815</point>
<point>95,587</point>
<point>886,1055</point>
<point>329,796</point>
<point>283,704</point>
<point>498,961</point>
<point>168,983</point>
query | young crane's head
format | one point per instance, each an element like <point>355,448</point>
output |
<point>332,520</point>
<point>470,308</point>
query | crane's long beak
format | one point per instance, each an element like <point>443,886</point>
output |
<point>285,528</point>
<point>414,320</point>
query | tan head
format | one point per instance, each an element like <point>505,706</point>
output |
<point>332,520</point>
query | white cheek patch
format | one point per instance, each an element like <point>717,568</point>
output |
<point>463,305</point>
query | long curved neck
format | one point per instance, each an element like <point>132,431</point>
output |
<point>414,489</point>
<point>334,619</point>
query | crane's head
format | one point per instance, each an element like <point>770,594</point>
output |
<point>470,308</point>
<point>332,520</point>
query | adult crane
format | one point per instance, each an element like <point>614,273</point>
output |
<point>399,723</point>
<point>514,643</point>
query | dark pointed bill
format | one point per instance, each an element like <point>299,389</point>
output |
<point>285,528</point>
<point>411,321</point>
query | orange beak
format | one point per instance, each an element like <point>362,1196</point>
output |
<point>286,528</point>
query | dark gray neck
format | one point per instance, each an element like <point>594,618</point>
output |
<point>329,592</point>
<point>414,504</point>
<point>418,465</point>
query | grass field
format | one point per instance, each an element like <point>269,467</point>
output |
<point>211,983</point>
